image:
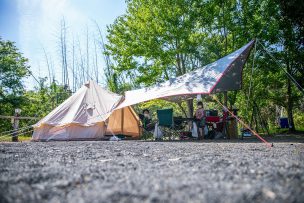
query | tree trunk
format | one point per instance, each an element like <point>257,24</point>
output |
<point>182,109</point>
<point>190,108</point>
<point>178,65</point>
<point>290,107</point>
<point>181,69</point>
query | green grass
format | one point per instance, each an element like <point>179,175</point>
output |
<point>21,138</point>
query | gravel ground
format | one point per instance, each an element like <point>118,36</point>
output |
<point>137,171</point>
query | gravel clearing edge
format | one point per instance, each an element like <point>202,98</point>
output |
<point>137,171</point>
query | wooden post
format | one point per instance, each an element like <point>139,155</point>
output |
<point>16,125</point>
<point>15,122</point>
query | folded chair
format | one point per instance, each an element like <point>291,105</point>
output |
<point>147,128</point>
<point>165,122</point>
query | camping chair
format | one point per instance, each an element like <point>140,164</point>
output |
<point>165,122</point>
<point>146,129</point>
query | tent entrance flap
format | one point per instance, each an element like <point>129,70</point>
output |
<point>124,121</point>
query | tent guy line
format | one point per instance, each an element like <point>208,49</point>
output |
<point>243,123</point>
<point>252,69</point>
<point>286,72</point>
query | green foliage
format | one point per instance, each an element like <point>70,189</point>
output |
<point>154,105</point>
<point>153,41</point>
<point>35,103</point>
<point>156,40</point>
<point>13,68</point>
<point>44,99</point>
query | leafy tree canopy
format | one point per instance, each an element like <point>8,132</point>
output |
<point>13,68</point>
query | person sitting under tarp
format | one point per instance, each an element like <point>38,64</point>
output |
<point>146,120</point>
<point>200,119</point>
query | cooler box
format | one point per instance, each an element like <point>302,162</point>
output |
<point>213,119</point>
<point>284,123</point>
<point>211,112</point>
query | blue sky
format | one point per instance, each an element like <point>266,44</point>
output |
<point>34,25</point>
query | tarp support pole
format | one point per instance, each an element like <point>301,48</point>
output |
<point>122,120</point>
<point>244,124</point>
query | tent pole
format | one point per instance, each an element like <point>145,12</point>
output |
<point>122,120</point>
<point>137,120</point>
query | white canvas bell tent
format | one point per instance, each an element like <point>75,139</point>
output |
<point>87,115</point>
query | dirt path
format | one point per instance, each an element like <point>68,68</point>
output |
<point>134,171</point>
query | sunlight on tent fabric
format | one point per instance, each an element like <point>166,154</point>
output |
<point>224,74</point>
<point>87,114</point>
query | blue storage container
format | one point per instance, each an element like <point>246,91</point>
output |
<point>284,123</point>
